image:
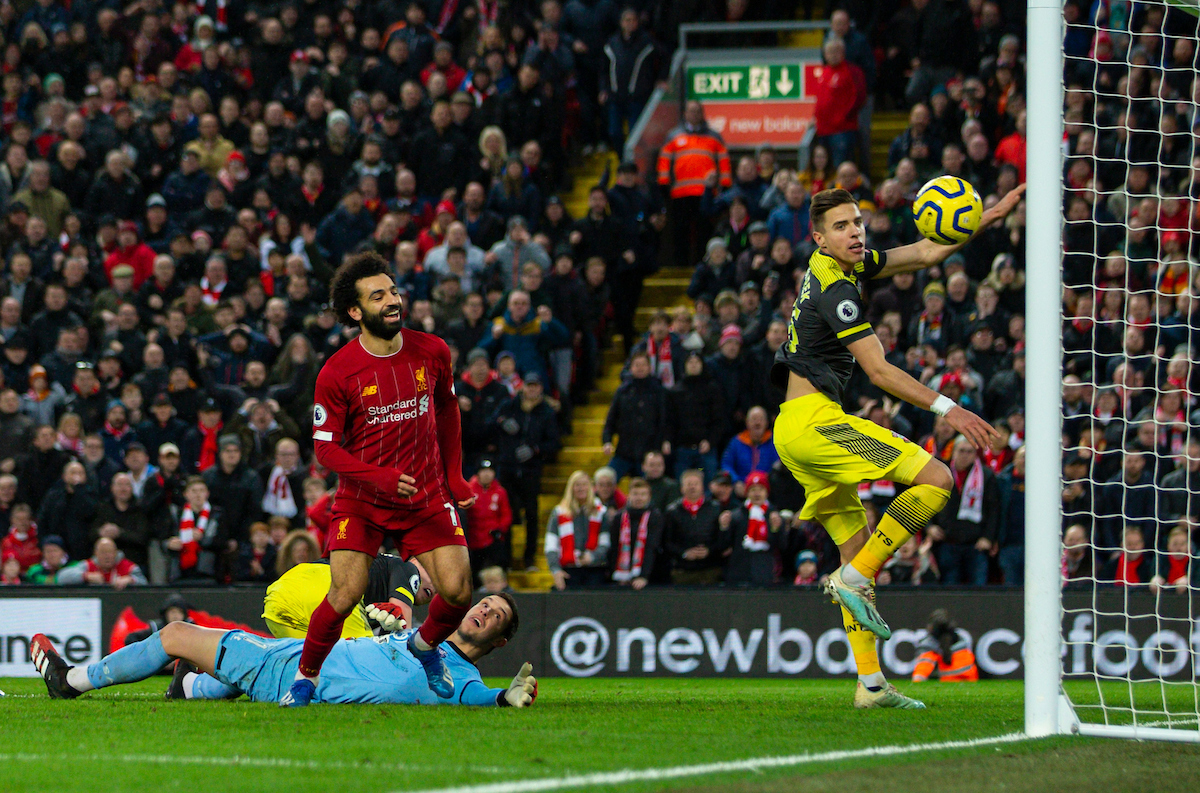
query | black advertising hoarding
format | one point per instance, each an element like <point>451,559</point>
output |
<point>709,633</point>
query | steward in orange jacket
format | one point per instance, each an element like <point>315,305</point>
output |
<point>690,154</point>
<point>944,653</point>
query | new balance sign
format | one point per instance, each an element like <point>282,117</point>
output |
<point>72,624</point>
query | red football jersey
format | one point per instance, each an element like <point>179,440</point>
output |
<point>382,412</point>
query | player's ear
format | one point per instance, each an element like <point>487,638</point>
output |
<point>496,645</point>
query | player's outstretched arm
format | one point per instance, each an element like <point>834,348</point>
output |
<point>923,253</point>
<point>869,354</point>
<point>449,433</point>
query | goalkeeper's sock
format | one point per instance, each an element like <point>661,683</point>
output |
<point>134,662</point>
<point>77,679</point>
<point>909,512</point>
<point>324,630</point>
<point>443,620</point>
<point>201,686</point>
<point>866,657</point>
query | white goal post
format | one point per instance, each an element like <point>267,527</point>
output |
<point>1043,366</point>
<point>1070,685</point>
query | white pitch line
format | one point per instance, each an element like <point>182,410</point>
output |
<point>627,776</point>
<point>235,761</point>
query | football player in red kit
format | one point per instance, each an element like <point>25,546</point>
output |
<point>386,420</point>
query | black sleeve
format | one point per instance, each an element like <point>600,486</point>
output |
<point>392,577</point>
<point>871,265</point>
<point>842,308</point>
<point>403,580</point>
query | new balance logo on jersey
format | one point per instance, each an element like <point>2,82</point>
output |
<point>370,390</point>
<point>423,405</point>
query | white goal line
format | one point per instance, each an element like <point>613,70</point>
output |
<point>751,764</point>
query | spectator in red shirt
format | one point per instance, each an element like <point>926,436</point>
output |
<point>435,235</point>
<point>1011,148</point>
<point>443,61</point>
<point>133,252</point>
<point>489,521</point>
<point>841,90</point>
<point>22,540</point>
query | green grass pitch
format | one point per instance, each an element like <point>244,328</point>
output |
<point>107,739</point>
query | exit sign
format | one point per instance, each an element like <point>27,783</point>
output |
<point>745,82</point>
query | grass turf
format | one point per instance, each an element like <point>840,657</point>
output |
<point>577,727</point>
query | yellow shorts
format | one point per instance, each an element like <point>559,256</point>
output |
<point>291,600</point>
<point>830,453</point>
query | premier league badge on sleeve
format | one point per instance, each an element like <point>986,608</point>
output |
<point>319,415</point>
<point>847,311</point>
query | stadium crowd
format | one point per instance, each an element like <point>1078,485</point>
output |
<point>179,183</point>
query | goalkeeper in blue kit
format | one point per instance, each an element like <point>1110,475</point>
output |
<point>374,670</point>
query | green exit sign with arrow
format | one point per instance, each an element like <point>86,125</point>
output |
<point>740,83</point>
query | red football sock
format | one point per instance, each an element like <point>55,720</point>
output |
<point>442,621</point>
<point>324,629</point>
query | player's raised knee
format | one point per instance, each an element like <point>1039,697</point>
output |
<point>457,591</point>
<point>172,635</point>
<point>935,473</point>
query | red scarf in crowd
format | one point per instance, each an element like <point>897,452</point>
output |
<point>629,559</point>
<point>117,433</point>
<point>208,447</point>
<point>692,507</point>
<point>212,292</point>
<point>311,196</point>
<point>660,356</point>
<point>191,532</point>
<point>757,529</point>
<point>448,9</point>
<point>1127,570</point>
<point>566,534</point>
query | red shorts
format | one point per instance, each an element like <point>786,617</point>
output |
<point>359,526</point>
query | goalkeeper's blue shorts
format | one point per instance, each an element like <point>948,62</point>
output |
<point>262,669</point>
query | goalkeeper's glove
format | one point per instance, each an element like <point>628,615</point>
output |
<point>389,616</point>
<point>523,690</point>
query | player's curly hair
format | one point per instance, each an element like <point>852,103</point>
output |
<point>343,288</point>
<point>826,200</point>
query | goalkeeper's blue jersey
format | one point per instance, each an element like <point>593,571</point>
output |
<point>382,670</point>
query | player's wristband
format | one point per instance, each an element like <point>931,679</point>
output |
<point>943,405</point>
<point>501,700</point>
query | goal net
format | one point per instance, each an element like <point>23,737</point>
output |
<point>1129,369</point>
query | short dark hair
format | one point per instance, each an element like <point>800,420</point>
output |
<point>343,288</point>
<point>515,622</point>
<point>826,200</point>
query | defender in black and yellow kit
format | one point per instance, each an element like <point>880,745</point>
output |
<point>290,600</point>
<point>830,452</point>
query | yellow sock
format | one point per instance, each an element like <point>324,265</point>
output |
<point>862,644</point>
<point>909,512</point>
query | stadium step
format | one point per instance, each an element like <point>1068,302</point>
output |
<point>582,449</point>
<point>885,127</point>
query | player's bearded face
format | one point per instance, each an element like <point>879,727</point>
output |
<point>385,322</point>
<point>844,237</point>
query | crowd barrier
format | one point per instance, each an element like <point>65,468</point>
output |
<point>677,632</point>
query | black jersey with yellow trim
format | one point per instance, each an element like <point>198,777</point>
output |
<point>828,315</point>
<point>390,577</point>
